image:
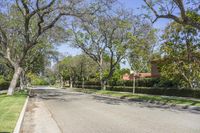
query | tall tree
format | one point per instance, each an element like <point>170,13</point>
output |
<point>38,59</point>
<point>24,22</point>
<point>100,36</point>
<point>181,57</point>
<point>79,67</point>
<point>143,42</point>
<point>185,12</point>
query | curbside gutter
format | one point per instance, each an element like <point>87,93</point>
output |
<point>21,117</point>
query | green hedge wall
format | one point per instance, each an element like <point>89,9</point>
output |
<point>146,82</point>
<point>153,91</point>
<point>39,81</point>
<point>4,84</point>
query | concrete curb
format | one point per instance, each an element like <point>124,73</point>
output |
<point>21,117</point>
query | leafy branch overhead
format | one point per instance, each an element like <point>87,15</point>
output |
<point>184,12</point>
<point>25,23</point>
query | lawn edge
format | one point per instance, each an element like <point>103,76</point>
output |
<point>175,106</point>
<point>21,117</point>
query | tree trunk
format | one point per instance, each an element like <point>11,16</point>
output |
<point>22,80</point>
<point>61,82</point>
<point>71,83</point>
<point>101,78</point>
<point>83,83</point>
<point>133,83</point>
<point>14,80</point>
<point>104,85</point>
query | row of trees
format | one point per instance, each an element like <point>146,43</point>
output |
<point>178,56</point>
<point>25,23</point>
<point>106,34</point>
<point>73,69</point>
<point>110,38</point>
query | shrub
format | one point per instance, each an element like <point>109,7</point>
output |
<point>146,82</point>
<point>39,81</point>
<point>153,90</point>
<point>3,83</point>
<point>95,83</point>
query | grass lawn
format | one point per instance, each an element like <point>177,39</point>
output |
<point>10,108</point>
<point>144,97</point>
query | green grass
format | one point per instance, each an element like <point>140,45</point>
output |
<point>88,91</point>
<point>10,108</point>
<point>144,97</point>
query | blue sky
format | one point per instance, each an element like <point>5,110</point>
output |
<point>135,5</point>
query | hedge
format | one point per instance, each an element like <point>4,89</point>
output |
<point>153,90</point>
<point>146,82</point>
<point>4,84</point>
<point>93,83</point>
<point>39,81</point>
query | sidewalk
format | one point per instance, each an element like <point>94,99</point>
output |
<point>38,119</point>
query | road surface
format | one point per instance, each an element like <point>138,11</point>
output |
<point>71,112</point>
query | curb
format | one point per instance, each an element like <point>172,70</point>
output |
<point>21,117</point>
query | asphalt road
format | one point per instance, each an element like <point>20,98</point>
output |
<point>83,113</point>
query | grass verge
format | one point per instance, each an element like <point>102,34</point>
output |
<point>10,108</point>
<point>144,97</point>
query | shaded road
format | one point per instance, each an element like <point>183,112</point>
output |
<point>81,113</point>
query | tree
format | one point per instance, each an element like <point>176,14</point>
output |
<point>65,69</point>
<point>79,67</point>
<point>181,57</point>
<point>5,70</point>
<point>37,61</point>
<point>24,22</point>
<point>185,12</point>
<point>86,68</point>
<point>103,37</point>
<point>143,42</point>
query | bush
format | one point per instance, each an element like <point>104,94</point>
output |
<point>146,82</point>
<point>167,83</point>
<point>39,81</point>
<point>170,92</point>
<point>153,90</point>
<point>94,83</point>
<point>3,83</point>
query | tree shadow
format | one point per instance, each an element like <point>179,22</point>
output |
<point>108,100</point>
<point>143,104</point>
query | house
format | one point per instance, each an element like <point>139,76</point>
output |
<point>153,74</point>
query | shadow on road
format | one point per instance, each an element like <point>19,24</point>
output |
<point>113,101</point>
<point>67,96</point>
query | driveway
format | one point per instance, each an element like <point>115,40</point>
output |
<point>72,112</point>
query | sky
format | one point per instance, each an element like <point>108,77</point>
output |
<point>134,5</point>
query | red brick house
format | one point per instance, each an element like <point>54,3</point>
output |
<point>153,74</point>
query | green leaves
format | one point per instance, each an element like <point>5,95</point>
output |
<point>193,16</point>
<point>181,61</point>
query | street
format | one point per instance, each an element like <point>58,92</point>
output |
<point>73,112</point>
